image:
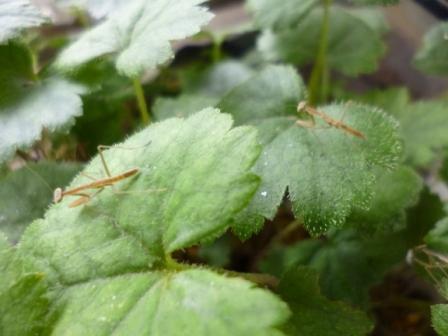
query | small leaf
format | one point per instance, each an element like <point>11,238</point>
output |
<point>26,193</point>
<point>182,106</point>
<point>17,15</point>
<point>216,80</point>
<point>139,34</point>
<point>423,126</point>
<point>274,91</point>
<point>394,192</point>
<point>350,265</point>
<point>314,314</point>
<point>439,313</point>
<point>27,105</point>
<point>280,15</point>
<point>433,55</point>
<point>437,238</point>
<point>300,45</point>
<point>439,316</point>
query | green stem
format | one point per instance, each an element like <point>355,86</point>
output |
<point>217,48</point>
<point>142,107</point>
<point>318,84</point>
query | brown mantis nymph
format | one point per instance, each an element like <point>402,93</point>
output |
<point>99,184</point>
<point>303,106</point>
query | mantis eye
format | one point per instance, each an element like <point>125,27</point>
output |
<point>57,195</point>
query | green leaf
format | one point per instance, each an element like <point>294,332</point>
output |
<point>108,260</point>
<point>432,58</point>
<point>327,171</point>
<point>437,238</point>
<point>201,89</point>
<point>23,304</point>
<point>314,314</point>
<point>274,91</point>
<point>349,265</point>
<point>16,16</point>
<point>182,106</point>
<point>193,302</point>
<point>394,192</point>
<point>300,45</point>
<point>139,35</point>
<point>281,14</point>
<point>373,17</point>
<point>23,307</point>
<point>423,126</point>
<point>216,80</point>
<point>439,316</point>
<point>27,105</point>
<point>26,193</point>
<point>439,313</point>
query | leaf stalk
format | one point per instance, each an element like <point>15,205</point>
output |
<point>141,102</point>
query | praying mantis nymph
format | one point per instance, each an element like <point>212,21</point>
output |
<point>98,184</point>
<point>303,106</point>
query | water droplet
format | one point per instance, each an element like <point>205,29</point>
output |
<point>264,193</point>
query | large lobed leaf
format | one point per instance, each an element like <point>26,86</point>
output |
<point>139,35</point>
<point>300,45</point>
<point>26,193</point>
<point>17,15</point>
<point>313,313</point>
<point>328,173</point>
<point>433,55</point>
<point>108,260</point>
<point>29,104</point>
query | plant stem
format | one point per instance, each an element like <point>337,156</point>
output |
<point>217,48</point>
<point>318,84</point>
<point>142,107</point>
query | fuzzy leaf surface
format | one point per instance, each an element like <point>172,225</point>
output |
<point>139,35</point>
<point>300,44</point>
<point>439,313</point>
<point>16,16</point>
<point>23,304</point>
<point>107,258</point>
<point>437,238</point>
<point>28,104</point>
<point>394,192</point>
<point>26,193</point>
<point>281,14</point>
<point>313,313</point>
<point>432,58</point>
<point>329,172</point>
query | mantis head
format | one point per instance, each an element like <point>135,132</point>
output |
<point>57,195</point>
